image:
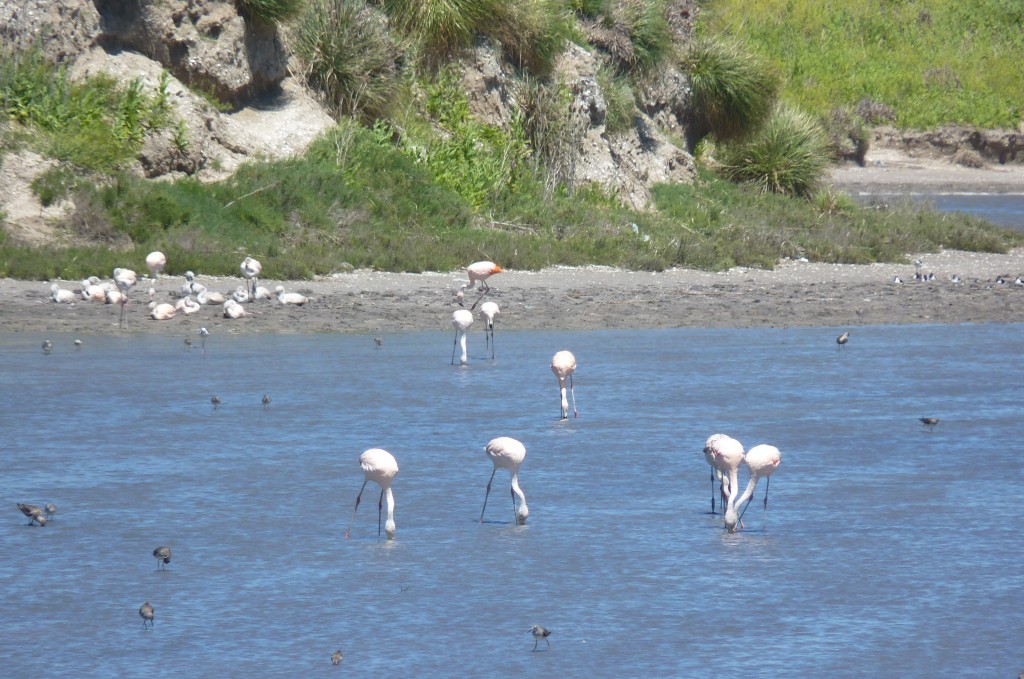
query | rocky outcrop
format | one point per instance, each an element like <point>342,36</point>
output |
<point>992,146</point>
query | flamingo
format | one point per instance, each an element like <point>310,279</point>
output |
<point>710,447</point>
<point>481,271</point>
<point>203,334</point>
<point>162,556</point>
<point>761,461</point>
<point>262,293</point>
<point>92,291</point>
<point>155,262</point>
<point>162,312</point>
<point>61,295</point>
<point>125,280</point>
<point>146,612</point>
<point>205,297</point>
<point>539,633</point>
<point>290,297</point>
<point>241,294</point>
<point>489,310</point>
<point>507,453</point>
<point>461,320</point>
<point>113,296</point>
<point>187,305</point>
<point>564,365</point>
<point>842,340</point>
<point>380,467</point>
<point>728,455</point>
<point>233,309</point>
<point>34,514</point>
<point>251,269</point>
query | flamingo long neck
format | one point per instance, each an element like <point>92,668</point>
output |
<point>462,346</point>
<point>523,511</point>
<point>748,492</point>
<point>389,526</point>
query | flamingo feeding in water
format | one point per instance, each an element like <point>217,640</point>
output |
<point>461,320</point>
<point>761,461</point>
<point>125,280</point>
<point>380,467</point>
<point>710,450</point>
<point>489,311</point>
<point>507,453</point>
<point>251,269</point>
<point>563,364</point>
<point>728,455</point>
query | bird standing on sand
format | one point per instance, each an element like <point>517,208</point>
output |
<point>842,340</point>
<point>461,320</point>
<point>379,466</point>
<point>146,612</point>
<point>34,514</point>
<point>929,422</point>
<point>481,271</point>
<point>155,262</point>
<point>251,269</point>
<point>563,364</point>
<point>336,657</point>
<point>162,556</point>
<point>539,633</point>
<point>125,280</point>
<point>507,453</point>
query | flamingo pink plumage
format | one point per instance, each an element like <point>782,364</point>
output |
<point>481,271</point>
<point>564,365</point>
<point>728,455</point>
<point>710,448</point>
<point>155,262</point>
<point>761,461</point>
<point>489,311</point>
<point>251,269</point>
<point>379,466</point>
<point>507,453</point>
<point>125,280</point>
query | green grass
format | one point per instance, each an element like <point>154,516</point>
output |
<point>931,61</point>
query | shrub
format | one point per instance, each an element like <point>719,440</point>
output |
<point>634,34</point>
<point>441,28</point>
<point>618,96</point>
<point>269,11</point>
<point>553,129</point>
<point>848,136</point>
<point>732,92</point>
<point>532,33</point>
<point>787,155</point>
<point>349,56</point>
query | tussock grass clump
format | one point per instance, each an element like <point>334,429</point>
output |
<point>532,33</point>
<point>441,29</point>
<point>634,35</point>
<point>732,92</point>
<point>787,155</point>
<point>349,56</point>
<point>270,11</point>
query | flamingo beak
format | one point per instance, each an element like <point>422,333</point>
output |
<point>497,269</point>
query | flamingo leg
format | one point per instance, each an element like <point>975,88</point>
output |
<point>712,490</point>
<point>358,497</point>
<point>515,514</point>
<point>486,495</point>
<point>492,340</point>
<point>380,506</point>
<point>483,291</point>
<point>573,394</point>
<point>454,343</point>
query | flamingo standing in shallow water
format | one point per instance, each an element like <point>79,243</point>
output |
<point>761,461</point>
<point>125,280</point>
<point>710,448</point>
<point>728,455</point>
<point>507,453</point>
<point>461,320</point>
<point>251,269</point>
<point>380,467</point>
<point>489,311</point>
<point>564,365</point>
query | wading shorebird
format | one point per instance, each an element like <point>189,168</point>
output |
<point>146,613</point>
<point>929,422</point>
<point>162,556</point>
<point>539,633</point>
<point>563,364</point>
<point>507,453</point>
<point>379,466</point>
<point>34,514</point>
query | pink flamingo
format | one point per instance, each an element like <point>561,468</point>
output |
<point>479,271</point>
<point>251,269</point>
<point>461,320</point>
<point>507,453</point>
<point>155,262</point>
<point>710,448</point>
<point>762,461</point>
<point>728,456</point>
<point>489,310</point>
<point>380,467</point>
<point>564,365</point>
<point>125,280</point>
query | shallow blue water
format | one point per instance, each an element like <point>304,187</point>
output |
<point>1002,209</point>
<point>887,550</point>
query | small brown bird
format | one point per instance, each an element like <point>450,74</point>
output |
<point>843,339</point>
<point>34,514</point>
<point>929,422</point>
<point>162,556</point>
<point>49,509</point>
<point>266,401</point>
<point>215,400</point>
<point>336,657</point>
<point>146,611</point>
<point>539,633</point>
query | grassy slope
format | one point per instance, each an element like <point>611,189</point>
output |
<point>931,61</point>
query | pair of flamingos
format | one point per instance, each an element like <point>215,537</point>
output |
<point>725,455</point>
